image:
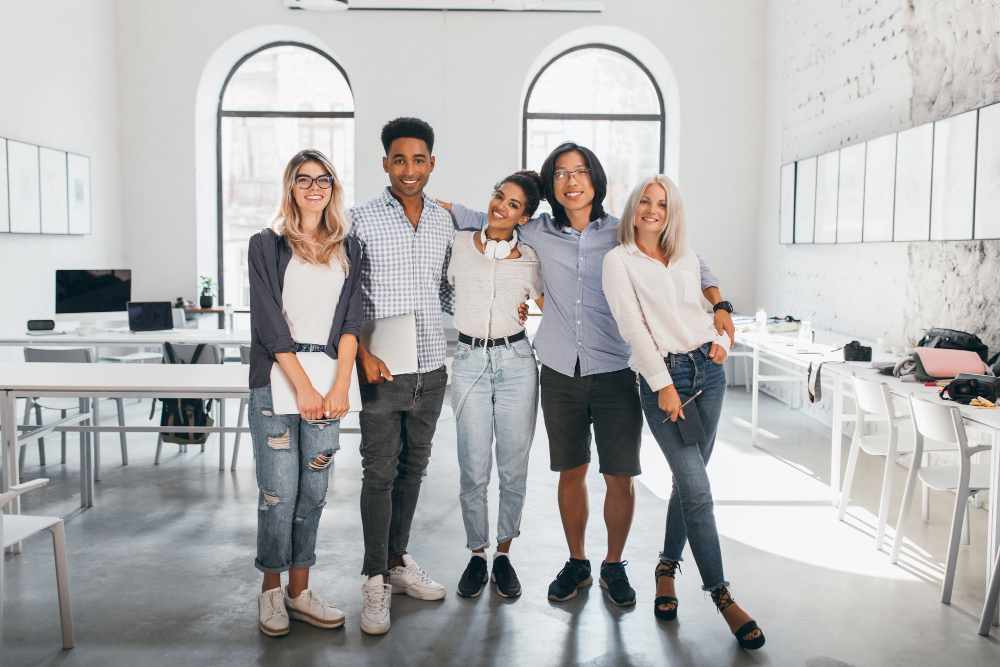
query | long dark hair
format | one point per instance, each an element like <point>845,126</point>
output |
<point>530,184</point>
<point>598,179</point>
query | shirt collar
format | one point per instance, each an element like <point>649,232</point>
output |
<point>388,199</point>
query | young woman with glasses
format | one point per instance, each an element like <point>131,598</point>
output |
<point>305,296</point>
<point>651,283</point>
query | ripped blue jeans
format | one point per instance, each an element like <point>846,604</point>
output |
<point>293,461</point>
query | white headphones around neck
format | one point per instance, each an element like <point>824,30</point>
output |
<point>497,249</point>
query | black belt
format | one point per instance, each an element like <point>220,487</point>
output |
<point>490,342</point>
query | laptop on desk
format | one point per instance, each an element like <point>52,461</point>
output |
<point>151,316</point>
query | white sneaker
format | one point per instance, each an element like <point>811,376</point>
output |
<point>310,608</point>
<point>378,599</point>
<point>410,579</point>
<point>273,617</point>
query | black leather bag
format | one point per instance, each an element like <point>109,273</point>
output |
<point>949,339</point>
<point>855,351</point>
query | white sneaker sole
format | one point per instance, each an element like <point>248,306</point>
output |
<point>375,628</point>
<point>419,595</point>
<point>273,633</point>
<point>312,620</point>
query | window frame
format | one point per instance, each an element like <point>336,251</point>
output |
<point>220,114</point>
<point>661,117</point>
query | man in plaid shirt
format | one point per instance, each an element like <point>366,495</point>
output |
<point>406,239</point>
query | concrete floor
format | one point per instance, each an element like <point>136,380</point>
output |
<point>162,567</point>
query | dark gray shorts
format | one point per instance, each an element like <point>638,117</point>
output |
<point>609,401</point>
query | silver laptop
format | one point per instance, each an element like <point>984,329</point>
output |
<point>394,341</point>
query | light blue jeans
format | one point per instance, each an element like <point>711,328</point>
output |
<point>691,511</point>
<point>293,460</point>
<point>502,402</point>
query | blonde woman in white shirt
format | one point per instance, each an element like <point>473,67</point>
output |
<point>652,285</point>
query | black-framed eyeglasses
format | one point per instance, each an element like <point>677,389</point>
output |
<point>305,182</point>
<point>579,173</point>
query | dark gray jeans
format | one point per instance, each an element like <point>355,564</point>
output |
<point>398,419</point>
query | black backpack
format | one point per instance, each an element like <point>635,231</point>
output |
<point>949,339</point>
<point>184,411</point>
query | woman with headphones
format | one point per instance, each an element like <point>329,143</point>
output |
<point>494,376</point>
<point>305,298</point>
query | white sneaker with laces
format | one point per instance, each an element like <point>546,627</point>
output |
<point>378,599</point>
<point>273,618</point>
<point>410,579</point>
<point>310,608</point>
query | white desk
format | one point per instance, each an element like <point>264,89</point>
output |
<point>19,380</point>
<point>10,336</point>
<point>782,348</point>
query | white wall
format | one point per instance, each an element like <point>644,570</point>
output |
<point>463,72</point>
<point>57,74</point>
<point>838,73</point>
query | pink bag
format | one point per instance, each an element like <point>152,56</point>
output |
<point>939,363</point>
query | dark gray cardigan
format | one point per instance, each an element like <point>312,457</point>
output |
<point>269,335</point>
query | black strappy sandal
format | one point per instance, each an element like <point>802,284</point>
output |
<point>722,599</point>
<point>666,568</point>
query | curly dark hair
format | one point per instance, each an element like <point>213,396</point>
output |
<point>531,184</point>
<point>409,128</point>
<point>597,178</point>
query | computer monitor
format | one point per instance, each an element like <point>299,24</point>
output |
<point>94,295</point>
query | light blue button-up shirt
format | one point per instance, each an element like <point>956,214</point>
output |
<point>577,324</point>
<point>403,270</point>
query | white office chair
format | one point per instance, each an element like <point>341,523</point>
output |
<point>17,527</point>
<point>874,403</point>
<point>63,404</point>
<point>244,359</point>
<point>942,422</point>
<point>183,354</point>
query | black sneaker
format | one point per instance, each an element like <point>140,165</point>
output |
<point>505,578</point>
<point>615,581</point>
<point>575,573</point>
<point>474,578</point>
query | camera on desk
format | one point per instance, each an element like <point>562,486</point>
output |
<point>967,386</point>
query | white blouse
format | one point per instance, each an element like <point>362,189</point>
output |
<point>659,309</point>
<point>309,297</point>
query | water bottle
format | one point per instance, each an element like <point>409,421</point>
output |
<point>761,320</point>
<point>228,317</point>
<point>805,333</point>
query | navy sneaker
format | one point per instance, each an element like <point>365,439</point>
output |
<point>615,582</point>
<point>474,578</point>
<point>575,573</point>
<point>504,576</point>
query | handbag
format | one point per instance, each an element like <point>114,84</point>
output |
<point>950,339</point>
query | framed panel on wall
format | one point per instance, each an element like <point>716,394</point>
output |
<point>954,177</point>
<point>786,211</point>
<point>851,194</point>
<point>24,188</point>
<point>880,188</point>
<point>78,168</point>
<point>54,200</point>
<point>4,204</point>
<point>805,200</point>
<point>827,177</point>
<point>987,222</point>
<point>914,161</point>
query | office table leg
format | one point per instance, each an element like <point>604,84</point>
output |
<point>756,392</point>
<point>993,524</point>
<point>222,435</point>
<point>4,445</point>
<point>837,439</point>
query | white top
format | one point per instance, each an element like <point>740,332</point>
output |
<point>472,274</point>
<point>659,309</point>
<point>309,298</point>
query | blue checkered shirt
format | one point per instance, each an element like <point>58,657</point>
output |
<point>404,270</point>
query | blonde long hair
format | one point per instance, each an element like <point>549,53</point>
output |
<point>332,231</point>
<point>673,237</point>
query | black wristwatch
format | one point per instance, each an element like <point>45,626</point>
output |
<point>723,305</point>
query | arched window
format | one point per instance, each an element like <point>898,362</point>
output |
<point>601,97</point>
<point>276,101</point>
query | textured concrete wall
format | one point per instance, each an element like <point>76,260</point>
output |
<point>852,70</point>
